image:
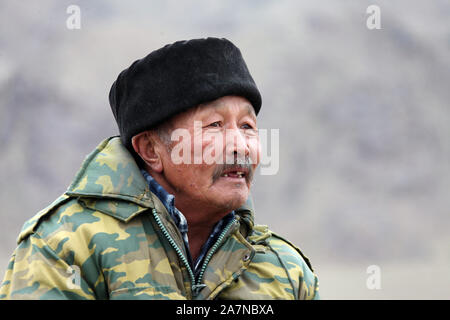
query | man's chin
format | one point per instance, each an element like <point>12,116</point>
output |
<point>234,201</point>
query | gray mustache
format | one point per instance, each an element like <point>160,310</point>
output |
<point>238,164</point>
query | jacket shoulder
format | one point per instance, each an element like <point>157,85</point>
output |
<point>30,226</point>
<point>65,216</point>
<point>282,244</point>
<point>280,253</point>
<point>262,234</point>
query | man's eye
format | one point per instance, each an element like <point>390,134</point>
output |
<point>247,126</point>
<point>214,124</point>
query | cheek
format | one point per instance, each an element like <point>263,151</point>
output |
<point>177,172</point>
<point>254,147</point>
<point>191,178</point>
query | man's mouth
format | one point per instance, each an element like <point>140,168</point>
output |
<point>236,172</point>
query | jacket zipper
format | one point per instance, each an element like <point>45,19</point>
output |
<point>196,286</point>
<point>213,250</point>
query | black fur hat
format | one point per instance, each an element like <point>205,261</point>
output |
<point>175,78</point>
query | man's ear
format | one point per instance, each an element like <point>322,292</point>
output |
<point>145,146</point>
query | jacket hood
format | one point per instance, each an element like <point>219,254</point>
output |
<point>110,181</point>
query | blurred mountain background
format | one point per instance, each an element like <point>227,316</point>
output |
<point>363,116</point>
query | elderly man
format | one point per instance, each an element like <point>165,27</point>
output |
<point>147,217</point>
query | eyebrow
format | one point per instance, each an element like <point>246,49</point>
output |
<point>250,110</point>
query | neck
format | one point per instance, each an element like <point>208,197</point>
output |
<point>201,217</point>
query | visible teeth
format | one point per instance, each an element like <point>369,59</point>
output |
<point>240,174</point>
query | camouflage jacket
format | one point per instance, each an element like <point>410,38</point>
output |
<point>109,237</point>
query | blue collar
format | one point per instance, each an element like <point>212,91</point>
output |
<point>168,201</point>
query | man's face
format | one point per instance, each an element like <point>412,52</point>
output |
<point>214,155</point>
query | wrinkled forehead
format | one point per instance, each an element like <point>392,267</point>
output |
<point>234,104</point>
<point>229,104</point>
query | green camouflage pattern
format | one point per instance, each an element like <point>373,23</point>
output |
<point>101,240</point>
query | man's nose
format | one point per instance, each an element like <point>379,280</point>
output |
<point>237,147</point>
